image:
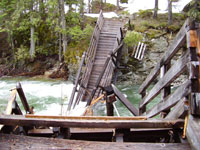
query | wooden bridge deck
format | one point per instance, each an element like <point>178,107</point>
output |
<point>107,43</point>
<point>18,142</point>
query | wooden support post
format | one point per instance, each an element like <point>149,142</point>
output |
<point>193,44</point>
<point>23,98</point>
<point>143,109</point>
<point>120,134</point>
<point>109,104</point>
<point>167,90</point>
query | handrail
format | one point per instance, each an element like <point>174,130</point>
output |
<point>188,90</point>
<point>173,48</point>
<point>90,55</point>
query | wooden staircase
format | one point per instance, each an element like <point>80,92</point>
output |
<point>98,72</point>
<point>107,43</point>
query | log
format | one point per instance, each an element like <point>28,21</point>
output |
<point>170,76</point>
<point>171,100</point>
<point>93,123</point>
<point>172,49</point>
<point>19,142</point>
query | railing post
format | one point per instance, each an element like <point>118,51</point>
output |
<point>76,82</point>
<point>167,90</point>
<point>193,45</point>
<point>143,109</point>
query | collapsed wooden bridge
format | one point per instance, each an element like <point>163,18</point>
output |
<point>176,125</point>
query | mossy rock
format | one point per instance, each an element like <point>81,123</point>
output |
<point>140,28</point>
<point>152,33</point>
<point>145,13</point>
<point>173,28</point>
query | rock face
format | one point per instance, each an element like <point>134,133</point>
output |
<point>137,72</point>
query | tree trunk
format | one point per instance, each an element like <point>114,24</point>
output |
<point>155,9</point>
<point>118,4</point>
<point>169,12</point>
<point>82,13</point>
<point>89,6</point>
<point>64,38</point>
<point>101,5</point>
<point>32,42</point>
<point>60,47</point>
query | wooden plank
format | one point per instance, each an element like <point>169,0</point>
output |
<point>105,118</point>
<point>76,82</point>
<point>11,101</point>
<point>171,100</point>
<point>171,75</point>
<point>93,123</point>
<point>23,98</point>
<point>173,48</point>
<point>177,110</point>
<point>193,132</point>
<point>125,101</point>
<point>18,142</point>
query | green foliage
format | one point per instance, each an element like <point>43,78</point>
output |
<point>145,13</point>
<point>79,44</point>
<point>124,1</point>
<point>132,38</point>
<point>22,53</point>
<point>152,33</point>
<point>125,13</point>
<point>193,10</point>
<point>106,6</point>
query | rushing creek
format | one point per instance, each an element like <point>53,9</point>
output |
<point>50,97</point>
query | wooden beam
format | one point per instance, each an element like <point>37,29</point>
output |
<point>177,110</point>
<point>67,123</point>
<point>23,98</point>
<point>193,132</point>
<point>171,100</point>
<point>105,118</point>
<point>172,49</point>
<point>9,107</point>
<point>170,76</point>
<point>11,102</point>
<point>19,142</point>
<point>76,82</point>
<point>125,101</point>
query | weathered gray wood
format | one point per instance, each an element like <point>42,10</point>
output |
<point>76,82</point>
<point>103,43</point>
<point>167,90</point>
<point>18,142</point>
<point>125,101</point>
<point>171,75</point>
<point>99,79</point>
<point>193,132</point>
<point>173,48</point>
<point>92,123</point>
<point>177,110</point>
<point>23,98</point>
<point>171,100</point>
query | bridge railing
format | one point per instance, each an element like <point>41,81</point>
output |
<point>172,100</point>
<point>89,59</point>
